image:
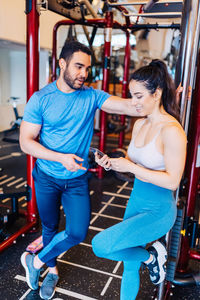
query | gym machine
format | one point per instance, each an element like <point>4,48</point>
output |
<point>190,229</point>
<point>183,240</point>
<point>79,9</point>
<point>11,135</point>
<point>31,214</point>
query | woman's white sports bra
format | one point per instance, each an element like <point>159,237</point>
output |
<point>148,155</point>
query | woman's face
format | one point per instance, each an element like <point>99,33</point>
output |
<point>142,100</point>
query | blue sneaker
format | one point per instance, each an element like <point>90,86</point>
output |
<point>48,287</point>
<point>32,274</point>
<point>157,269</point>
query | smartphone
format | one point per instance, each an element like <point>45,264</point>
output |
<point>94,150</point>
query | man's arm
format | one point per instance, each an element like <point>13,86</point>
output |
<point>29,145</point>
<point>122,106</point>
<point>117,105</point>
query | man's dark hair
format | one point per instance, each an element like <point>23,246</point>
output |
<point>71,47</point>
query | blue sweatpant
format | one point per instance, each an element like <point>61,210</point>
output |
<point>150,214</point>
<point>73,195</point>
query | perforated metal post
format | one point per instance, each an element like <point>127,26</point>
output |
<point>105,83</point>
<point>188,63</point>
<point>189,70</point>
<point>125,83</point>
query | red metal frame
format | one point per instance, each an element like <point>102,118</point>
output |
<point>108,23</point>
<point>125,83</point>
<point>105,82</point>
<point>194,254</point>
<point>32,86</point>
<point>140,11</point>
<point>192,174</point>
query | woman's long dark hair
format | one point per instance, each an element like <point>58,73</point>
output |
<point>154,76</point>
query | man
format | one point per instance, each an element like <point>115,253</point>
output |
<point>62,115</point>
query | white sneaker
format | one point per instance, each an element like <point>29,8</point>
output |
<point>157,269</point>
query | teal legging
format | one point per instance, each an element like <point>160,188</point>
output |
<point>150,214</point>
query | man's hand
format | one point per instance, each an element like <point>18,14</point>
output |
<point>69,162</point>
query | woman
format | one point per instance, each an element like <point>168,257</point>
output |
<point>156,155</point>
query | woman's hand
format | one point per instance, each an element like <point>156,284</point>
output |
<point>103,161</point>
<point>179,90</point>
<point>121,164</point>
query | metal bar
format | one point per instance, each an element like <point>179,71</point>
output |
<point>105,83</point>
<point>161,290</point>
<point>94,14</point>
<point>125,83</point>
<point>140,11</point>
<point>88,39</point>
<point>89,7</point>
<point>123,9</point>
<point>194,254</point>
<point>149,15</point>
<point>93,36</point>
<point>149,5</point>
<point>126,71</point>
<point>187,59</point>
<point>32,53</point>
<point>8,242</point>
<point>142,2</point>
<point>154,26</point>
<point>183,42</point>
<point>193,172</point>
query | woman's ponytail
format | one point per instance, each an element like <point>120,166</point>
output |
<point>154,76</point>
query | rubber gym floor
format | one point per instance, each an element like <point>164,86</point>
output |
<point>82,274</point>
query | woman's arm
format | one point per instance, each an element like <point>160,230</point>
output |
<point>174,141</point>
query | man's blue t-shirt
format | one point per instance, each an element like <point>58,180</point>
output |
<point>67,121</point>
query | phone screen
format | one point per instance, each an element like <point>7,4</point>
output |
<point>94,150</point>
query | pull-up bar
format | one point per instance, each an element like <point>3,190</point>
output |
<point>135,27</point>
<point>147,5</point>
<point>142,2</point>
<point>153,14</point>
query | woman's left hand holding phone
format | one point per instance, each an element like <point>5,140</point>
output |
<point>103,161</point>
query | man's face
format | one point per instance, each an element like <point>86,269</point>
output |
<point>76,70</point>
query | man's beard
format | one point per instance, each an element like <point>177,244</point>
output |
<point>72,82</point>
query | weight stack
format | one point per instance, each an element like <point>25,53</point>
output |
<point>174,245</point>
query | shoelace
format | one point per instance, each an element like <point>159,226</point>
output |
<point>50,280</point>
<point>153,268</point>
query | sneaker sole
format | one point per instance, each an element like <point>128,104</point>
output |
<point>162,254</point>
<point>23,261</point>
<point>47,298</point>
